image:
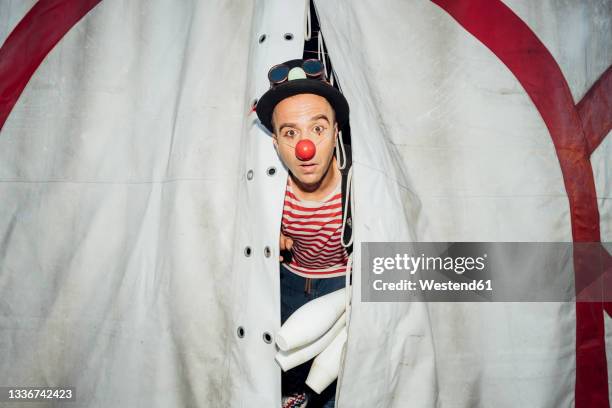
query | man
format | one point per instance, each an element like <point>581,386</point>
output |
<point>305,115</point>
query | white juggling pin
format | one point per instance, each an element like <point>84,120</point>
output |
<point>326,366</point>
<point>295,357</point>
<point>311,321</point>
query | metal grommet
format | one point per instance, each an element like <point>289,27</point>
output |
<point>271,171</point>
<point>288,36</point>
<point>240,331</point>
<point>262,38</point>
<point>267,252</point>
<point>247,251</point>
<point>267,337</point>
<point>250,175</point>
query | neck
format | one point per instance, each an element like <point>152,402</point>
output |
<point>320,190</point>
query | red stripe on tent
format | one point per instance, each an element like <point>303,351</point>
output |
<point>513,42</point>
<point>30,42</point>
<point>595,110</point>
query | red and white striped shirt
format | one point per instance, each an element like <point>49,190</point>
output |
<point>315,228</point>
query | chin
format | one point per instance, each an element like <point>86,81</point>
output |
<point>309,179</point>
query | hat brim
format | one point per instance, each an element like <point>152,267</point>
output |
<point>269,100</point>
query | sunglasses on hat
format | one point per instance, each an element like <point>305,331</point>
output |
<point>313,68</point>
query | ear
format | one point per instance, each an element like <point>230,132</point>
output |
<point>275,141</point>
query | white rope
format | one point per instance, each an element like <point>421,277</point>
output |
<point>339,150</point>
<point>349,264</point>
<point>308,24</point>
<point>321,52</point>
<point>349,179</point>
<point>333,73</point>
<point>347,285</point>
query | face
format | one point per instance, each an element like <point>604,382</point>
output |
<point>305,116</point>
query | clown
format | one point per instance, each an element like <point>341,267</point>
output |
<point>306,116</point>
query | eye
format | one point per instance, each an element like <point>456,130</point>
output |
<point>289,133</point>
<point>319,128</point>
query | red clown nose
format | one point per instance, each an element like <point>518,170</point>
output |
<point>305,150</point>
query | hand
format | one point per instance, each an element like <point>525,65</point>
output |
<point>285,243</point>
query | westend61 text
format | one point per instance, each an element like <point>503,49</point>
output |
<point>432,285</point>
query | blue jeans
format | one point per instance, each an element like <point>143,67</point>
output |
<point>293,295</point>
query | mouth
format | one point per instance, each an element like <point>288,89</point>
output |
<point>308,167</point>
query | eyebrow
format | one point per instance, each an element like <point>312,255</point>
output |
<point>314,118</point>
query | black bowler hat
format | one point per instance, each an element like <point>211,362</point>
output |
<point>300,77</point>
